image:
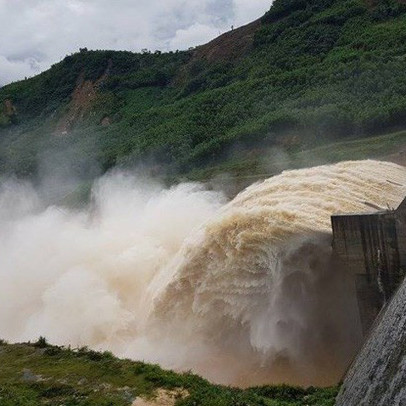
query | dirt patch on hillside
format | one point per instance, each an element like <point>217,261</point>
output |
<point>230,46</point>
<point>9,108</point>
<point>83,97</point>
<point>106,121</point>
<point>163,398</point>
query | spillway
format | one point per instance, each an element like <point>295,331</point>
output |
<point>245,292</point>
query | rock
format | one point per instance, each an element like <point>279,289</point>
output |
<point>163,398</point>
<point>378,375</point>
<point>28,376</point>
<point>82,381</point>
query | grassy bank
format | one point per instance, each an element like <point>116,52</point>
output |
<point>271,161</point>
<point>40,374</point>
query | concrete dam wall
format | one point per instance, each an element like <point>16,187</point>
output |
<point>373,248</point>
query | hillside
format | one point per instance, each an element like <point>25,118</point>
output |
<point>307,74</point>
<point>40,374</point>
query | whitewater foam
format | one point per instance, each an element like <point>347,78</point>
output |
<point>245,292</point>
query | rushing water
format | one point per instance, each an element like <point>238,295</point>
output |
<point>244,292</point>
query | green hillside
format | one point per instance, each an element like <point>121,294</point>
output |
<point>307,74</point>
<point>40,374</point>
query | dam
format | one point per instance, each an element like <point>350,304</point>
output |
<point>244,292</point>
<point>373,248</point>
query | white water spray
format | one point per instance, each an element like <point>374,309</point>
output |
<point>244,293</point>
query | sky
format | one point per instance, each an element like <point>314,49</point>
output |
<point>37,33</point>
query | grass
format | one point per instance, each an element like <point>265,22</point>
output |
<point>271,161</point>
<point>41,374</point>
<point>237,173</point>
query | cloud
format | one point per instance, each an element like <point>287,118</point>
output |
<point>42,32</point>
<point>10,70</point>
<point>194,35</point>
<point>245,11</point>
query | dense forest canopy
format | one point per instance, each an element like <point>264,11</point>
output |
<point>308,73</point>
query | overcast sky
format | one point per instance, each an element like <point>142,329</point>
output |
<point>38,33</point>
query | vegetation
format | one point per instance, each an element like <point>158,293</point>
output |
<point>269,162</point>
<point>323,80</point>
<point>36,374</point>
<point>318,71</point>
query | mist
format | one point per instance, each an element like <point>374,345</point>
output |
<point>243,292</point>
